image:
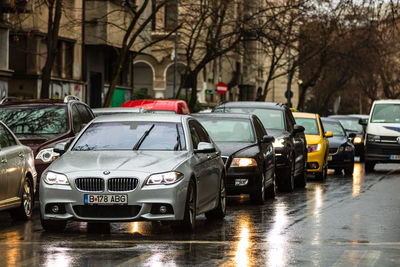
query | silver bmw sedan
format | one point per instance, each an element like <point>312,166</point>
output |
<point>155,167</point>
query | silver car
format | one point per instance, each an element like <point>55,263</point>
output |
<point>17,176</point>
<point>111,111</point>
<point>155,167</point>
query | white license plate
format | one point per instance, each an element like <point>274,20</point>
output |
<point>394,156</point>
<point>329,158</point>
<point>105,199</point>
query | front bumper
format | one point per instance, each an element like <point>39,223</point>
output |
<point>317,157</point>
<point>382,152</point>
<point>139,207</point>
<point>341,159</point>
<point>251,174</point>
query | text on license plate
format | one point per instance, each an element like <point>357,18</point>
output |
<point>105,199</point>
<point>394,156</point>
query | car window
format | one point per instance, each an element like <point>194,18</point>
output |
<point>228,129</point>
<point>322,126</point>
<point>260,130</point>
<point>76,119</point>
<point>351,125</point>
<point>310,125</point>
<point>289,122</point>
<point>335,128</point>
<point>195,138</point>
<point>85,115</point>
<point>35,119</point>
<point>132,135</point>
<point>203,135</point>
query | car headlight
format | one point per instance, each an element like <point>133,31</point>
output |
<point>55,178</point>
<point>47,155</point>
<point>243,162</point>
<point>373,138</point>
<point>164,178</point>
<point>279,143</point>
<point>313,148</point>
<point>348,148</point>
<point>357,140</point>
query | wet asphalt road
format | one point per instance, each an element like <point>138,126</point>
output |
<point>344,221</point>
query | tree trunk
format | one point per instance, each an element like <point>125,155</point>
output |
<point>120,63</point>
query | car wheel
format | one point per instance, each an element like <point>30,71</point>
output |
<point>286,181</point>
<point>338,171</point>
<point>189,218</point>
<point>24,211</point>
<point>220,211</point>
<point>362,157</point>
<point>301,179</point>
<point>271,190</point>
<point>53,225</point>
<point>322,175</point>
<point>258,196</point>
<point>369,166</point>
<point>349,170</point>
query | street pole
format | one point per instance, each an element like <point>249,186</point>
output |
<point>176,54</point>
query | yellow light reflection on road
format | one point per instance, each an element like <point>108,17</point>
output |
<point>135,227</point>
<point>242,251</point>
<point>357,176</point>
<point>317,214</point>
<point>277,238</point>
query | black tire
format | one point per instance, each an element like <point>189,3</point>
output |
<point>271,190</point>
<point>189,219</point>
<point>338,171</point>
<point>369,166</point>
<point>322,175</point>
<point>25,210</point>
<point>301,179</point>
<point>219,212</point>
<point>362,157</point>
<point>53,225</point>
<point>349,170</point>
<point>286,179</point>
<point>258,196</point>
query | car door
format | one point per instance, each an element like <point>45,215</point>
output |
<point>12,163</point>
<point>206,168</point>
<point>266,150</point>
<point>299,143</point>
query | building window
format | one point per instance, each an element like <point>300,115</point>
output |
<point>171,15</point>
<point>69,59</point>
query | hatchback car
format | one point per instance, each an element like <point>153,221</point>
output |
<point>290,143</point>
<point>17,176</point>
<point>41,123</point>
<point>317,143</point>
<point>247,152</point>
<point>155,167</point>
<point>341,149</point>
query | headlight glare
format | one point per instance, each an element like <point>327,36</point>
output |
<point>278,142</point>
<point>164,178</point>
<point>47,155</point>
<point>313,148</point>
<point>56,178</point>
<point>243,162</point>
<point>357,140</point>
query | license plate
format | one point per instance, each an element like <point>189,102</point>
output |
<point>105,199</point>
<point>394,156</point>
<point>329,158</point>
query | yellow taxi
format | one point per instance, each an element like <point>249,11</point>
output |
<point>317,143</point>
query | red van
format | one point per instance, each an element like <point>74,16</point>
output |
<point>160,105</point>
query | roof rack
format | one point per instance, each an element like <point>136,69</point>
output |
<point>70,98</point>
<point>8,99</point>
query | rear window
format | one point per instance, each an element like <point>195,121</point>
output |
<point>229,130</point>
<point>310,125</point>
<point>386,113</point>
<point>33,120</point>
<point>132,135</point>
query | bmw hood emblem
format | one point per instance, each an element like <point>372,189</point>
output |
<point>106,172</point>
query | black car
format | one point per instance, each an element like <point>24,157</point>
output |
<point>247,152</point>
<point>351,124</point>
<point>341,149</point>
<point>290,143</point>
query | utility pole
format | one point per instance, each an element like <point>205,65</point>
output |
<point>176,53</point>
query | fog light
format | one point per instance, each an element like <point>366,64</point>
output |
<point>241,182</point>
<point>312,165</point>
<point>163,209</point>
<point>55,209</point>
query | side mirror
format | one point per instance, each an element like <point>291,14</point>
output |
<point>267,139</point>
<point>363,122</point>
<point>204,147</point>
<point>298,129</point>
<point>328,134</point>
<point>352,135</point>
<point>60,148</point>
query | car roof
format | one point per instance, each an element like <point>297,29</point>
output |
<point>158,117</point>
<point>348,117</point>
<point>304,115</point>
<point>330,120</point>
<point>223,115</point>
<point>387,101</point>
<point>254,104</point>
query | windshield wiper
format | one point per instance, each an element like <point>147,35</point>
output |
<point>139,143</point>
<point>178,139</point>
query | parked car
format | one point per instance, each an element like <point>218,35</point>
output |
<point>159,105</point>
<point>156,167</point>
<point>41,123</point>
<point>341,149</point>
<point>290,143</point>
<point>382,142</point>
<point>351,124</point>
<point>247,152</point>
<point>111,111</point>
<point>317,143</point>
<point>17,176</point>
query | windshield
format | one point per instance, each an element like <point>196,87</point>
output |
<point>310,125</point>
<point>334,127</point>
<point>132,135</point>
<point>270,118</point>
<point>34,120</point>
<point>229,130</point>
<point>386,113</point>
<point>351,125</point>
